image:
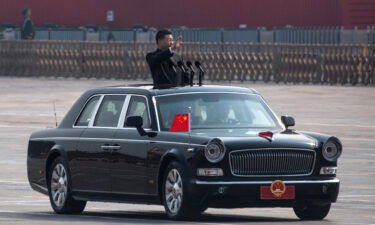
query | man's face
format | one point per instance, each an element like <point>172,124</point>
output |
<point>166,42</point>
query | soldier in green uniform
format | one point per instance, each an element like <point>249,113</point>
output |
<point>27,28</point>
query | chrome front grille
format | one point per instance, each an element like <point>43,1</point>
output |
<point>272,162</point>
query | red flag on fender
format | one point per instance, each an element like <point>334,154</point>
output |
<point>180,123</point>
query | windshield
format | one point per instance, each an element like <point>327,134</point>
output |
<point>216,110</point>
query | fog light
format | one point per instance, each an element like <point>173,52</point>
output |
<point>210,172</point>
<point>328,170</point>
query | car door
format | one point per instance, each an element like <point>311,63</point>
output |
<point>129,165</point>
<point>95,146</point>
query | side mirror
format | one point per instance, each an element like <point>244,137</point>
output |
<point>134,121</point>
<point>137,122</point>
<point>288,121</point>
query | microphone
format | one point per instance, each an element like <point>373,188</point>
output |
<point>190,66</point>
<point>199,66</point>
<point>201,71</point>
<point>182,66</point>
<point>174,67</point>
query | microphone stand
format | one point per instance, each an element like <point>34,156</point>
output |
<point>181,65</point>
<point>191,77</point>
<point>190,66</point>
<point>201,71</point>
<point>201,74</point>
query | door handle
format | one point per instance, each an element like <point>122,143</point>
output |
<point>114,147</point>
<point>105,147</point>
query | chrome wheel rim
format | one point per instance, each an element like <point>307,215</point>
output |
<point>173,191</point>
<point>59,184</point>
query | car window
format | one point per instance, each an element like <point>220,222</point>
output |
<point>88,112</point>
<point>138,107</point>
<point>109,111</point>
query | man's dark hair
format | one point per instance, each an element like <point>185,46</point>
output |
<point>161,34</point>
<point>24,10</point>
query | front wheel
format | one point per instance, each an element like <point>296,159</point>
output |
<point>59,191</point>
<point>312,212</point>
<point>176,198</point>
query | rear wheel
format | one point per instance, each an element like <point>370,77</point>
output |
<point>176,198</point>
<point>311,211</point>
<point>59,191</point>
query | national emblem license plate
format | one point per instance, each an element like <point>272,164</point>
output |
<point>277,190</point>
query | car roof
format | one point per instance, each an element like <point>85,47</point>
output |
<point>150,90</point>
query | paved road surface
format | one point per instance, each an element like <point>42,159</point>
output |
<point>26,105</point>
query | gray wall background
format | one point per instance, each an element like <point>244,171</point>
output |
<point>218,35</point>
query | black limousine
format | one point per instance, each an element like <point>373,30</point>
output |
<point>187,148</point>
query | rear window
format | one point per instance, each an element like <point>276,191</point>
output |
<point>88,112</point>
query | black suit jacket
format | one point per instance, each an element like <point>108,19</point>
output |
<point>164,69</point>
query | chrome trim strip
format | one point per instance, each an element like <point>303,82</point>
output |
<point>124,109</point>
<point>109,139</point>
<point>156,112</point>
<point>110,192</point>
<point>55,138</point>
<point>102,127</point>
<point>199,182</point>
<point>132,128</point>
<point>288,175</point>
<point>115,128</point>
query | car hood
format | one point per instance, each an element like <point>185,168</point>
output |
<point>236,139</point>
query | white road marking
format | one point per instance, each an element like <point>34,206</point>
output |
<point>7,211</point>
<point>337,125</point>
<point>20,126</point>
<point>98,217</point>
<point>23,201</point>
<point>355,200</point>
<point>355,196</point>
<point>14,182</point>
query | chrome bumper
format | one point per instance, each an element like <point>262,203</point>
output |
<point>334,180</point>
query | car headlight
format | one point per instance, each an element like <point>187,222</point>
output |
<point>331,150</point>
<point>214,151</point>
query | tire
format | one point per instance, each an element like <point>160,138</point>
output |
<point>312,212</point>
<point>176,199</point>
<point>59,190</point>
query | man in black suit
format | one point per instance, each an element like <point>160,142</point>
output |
<point>163,61</point>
